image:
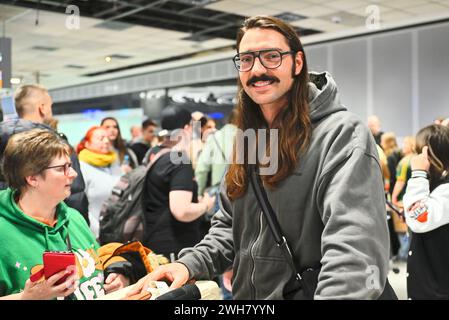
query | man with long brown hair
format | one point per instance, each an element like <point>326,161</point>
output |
<point>327,191</point>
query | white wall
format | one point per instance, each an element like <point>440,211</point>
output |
<point>400,76</point>
<point>75,125</point>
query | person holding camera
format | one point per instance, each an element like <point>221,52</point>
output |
<point>34,219</point>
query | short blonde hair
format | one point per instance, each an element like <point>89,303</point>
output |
<point>388,143</point>
<point>29,153</point>
<point>24,98</point>
<point>411,142</point>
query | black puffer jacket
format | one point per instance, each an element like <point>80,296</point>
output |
<point>77,199</point>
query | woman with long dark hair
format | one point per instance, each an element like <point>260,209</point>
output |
<point>426,204</point>
<point>125,156</point>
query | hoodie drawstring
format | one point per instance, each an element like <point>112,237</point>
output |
<point>67,239</point>
<point>46,239</point>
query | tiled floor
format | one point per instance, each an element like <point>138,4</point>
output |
<point>399,280</point>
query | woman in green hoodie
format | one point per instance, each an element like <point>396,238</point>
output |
<point>34,218</point>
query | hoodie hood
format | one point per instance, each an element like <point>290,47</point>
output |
<point>324,98</point>
<point>13,126</point>
<point>9,210</point>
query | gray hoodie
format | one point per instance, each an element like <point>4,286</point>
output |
<point>331,210</point>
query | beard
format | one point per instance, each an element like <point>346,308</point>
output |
<point>51,122</point>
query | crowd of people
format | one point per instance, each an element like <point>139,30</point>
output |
<point>416,187</point>
<point>344,198</point>
<point>85,175</point>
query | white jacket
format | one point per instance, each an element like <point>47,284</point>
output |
<point>99,183</point>
<point>424,210</point>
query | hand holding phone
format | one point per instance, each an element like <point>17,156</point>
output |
<point>56,261</point>
<point>47,289</point>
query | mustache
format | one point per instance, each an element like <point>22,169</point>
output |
<point>263,77</point>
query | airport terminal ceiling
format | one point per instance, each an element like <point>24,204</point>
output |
<point>191,16</point>
<point>117,38</point>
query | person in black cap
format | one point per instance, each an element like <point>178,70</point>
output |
<point>174,117</point>
<point>172,206</point>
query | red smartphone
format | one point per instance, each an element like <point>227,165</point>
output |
<point>56,261</point>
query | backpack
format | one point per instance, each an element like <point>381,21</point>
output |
<point>122,214</point>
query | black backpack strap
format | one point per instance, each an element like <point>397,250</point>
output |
<point>144,190</point>
<point>157,157</point>
<point>151,164</point>
<point>133,157</point>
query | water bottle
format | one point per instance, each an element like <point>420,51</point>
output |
<point>126,165</point>
<point>126,160</point>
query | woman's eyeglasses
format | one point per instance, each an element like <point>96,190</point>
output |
<point>66,167</point>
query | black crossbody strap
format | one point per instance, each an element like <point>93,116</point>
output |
<point>273,223</point>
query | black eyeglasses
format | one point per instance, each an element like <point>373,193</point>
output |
<point>269,58</point>
<point>65,166</point>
